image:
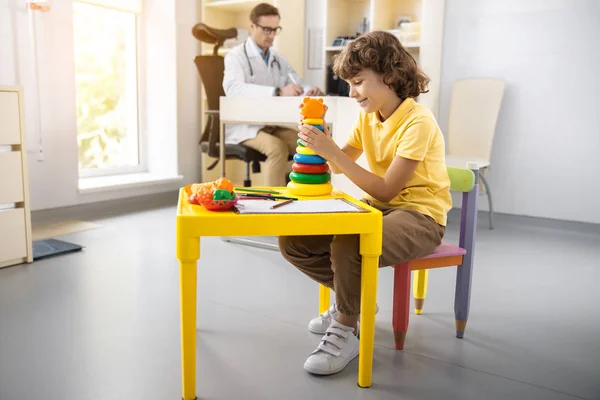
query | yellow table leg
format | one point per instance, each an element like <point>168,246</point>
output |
<point>188,252</point>
<point>371,250</point>
<point>323,299</point>
<point>420,289</point>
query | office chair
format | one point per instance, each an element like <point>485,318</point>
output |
<point>211,69</point>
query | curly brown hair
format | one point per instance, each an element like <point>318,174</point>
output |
<point>383,53</point>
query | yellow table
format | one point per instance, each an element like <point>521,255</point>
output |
<point>194,221</point>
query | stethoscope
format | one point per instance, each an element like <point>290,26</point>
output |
<point>273,61</point>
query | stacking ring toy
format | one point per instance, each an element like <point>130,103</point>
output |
<point>310,168</point>
<point>312,121</point>
<point>310,179</point>
<point>308,159</point>
<point>305,150</point>
<point>299,142</point>
<point>301,189</point>
<point>319,127</point>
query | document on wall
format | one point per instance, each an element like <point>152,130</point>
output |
<point>315,48</point>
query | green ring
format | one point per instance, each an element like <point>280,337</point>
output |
<point>299,142</point>
<point>310,179</point>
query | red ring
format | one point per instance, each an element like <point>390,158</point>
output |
<point>310,168</point>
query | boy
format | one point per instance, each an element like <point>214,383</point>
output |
<point>409,183</point>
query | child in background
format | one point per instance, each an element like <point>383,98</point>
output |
<point>408,182</point>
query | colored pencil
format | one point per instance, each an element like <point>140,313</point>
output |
<point>243,189</point>
<point>281,204</point>
<point>269,197</point>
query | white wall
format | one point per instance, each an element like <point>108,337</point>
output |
<point>546,151</point>
<point>54,182</point>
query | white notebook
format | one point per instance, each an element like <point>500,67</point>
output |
<point>325,206</point>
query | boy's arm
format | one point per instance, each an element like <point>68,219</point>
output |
<point>352,152</point>
<point>383,189</point>
<point>410,150</point>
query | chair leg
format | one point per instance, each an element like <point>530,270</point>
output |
<point>247,181</point>
<point>401,307</point>
<point>489,196</point>
<point>464,272</point>
<point>324,298</point>
<point>420,289</point>
<point>462,298</point>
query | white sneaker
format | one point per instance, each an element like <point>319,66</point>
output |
<point>338,347</point>
<point>320,324</point>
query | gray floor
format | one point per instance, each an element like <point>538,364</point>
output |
<point>104,323</point>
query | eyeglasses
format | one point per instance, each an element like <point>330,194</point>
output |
<point>268,31</point>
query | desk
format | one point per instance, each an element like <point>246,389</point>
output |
<point>194,221</point>
<point>341,115</point>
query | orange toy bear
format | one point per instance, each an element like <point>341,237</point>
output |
<point>312,108</point>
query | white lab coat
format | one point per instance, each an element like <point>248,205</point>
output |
<point>237,81</point>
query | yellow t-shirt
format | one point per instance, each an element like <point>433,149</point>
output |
<point>410,132</point>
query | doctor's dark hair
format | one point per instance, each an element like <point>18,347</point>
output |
<point>261,10</point>
<point>383,53</point>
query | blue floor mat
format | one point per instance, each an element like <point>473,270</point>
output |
<point>52,247</point>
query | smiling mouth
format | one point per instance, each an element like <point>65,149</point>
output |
<point>362,102</point>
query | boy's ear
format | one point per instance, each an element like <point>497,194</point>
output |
<point>320,100</point>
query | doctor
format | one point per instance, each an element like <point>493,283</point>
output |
<point>254,69</point>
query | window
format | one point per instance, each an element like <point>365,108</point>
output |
<point>108,82</point>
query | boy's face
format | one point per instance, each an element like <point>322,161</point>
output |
<point>368,89</point>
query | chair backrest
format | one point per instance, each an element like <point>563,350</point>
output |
<point>211,70</point>
<point>467,182</point>
<point>474,108</point>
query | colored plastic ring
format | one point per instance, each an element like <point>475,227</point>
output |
<point>310,168</point>
<point>305,150</point>
<point>319,127</point>
<point>308,159</point>
<point>310,179</point>
<point>299,142</point>
<point>301,189</point>
<point>312,121</point>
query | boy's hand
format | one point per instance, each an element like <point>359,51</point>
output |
<point>320,142</point>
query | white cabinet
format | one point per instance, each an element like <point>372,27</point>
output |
<point>15,215</point>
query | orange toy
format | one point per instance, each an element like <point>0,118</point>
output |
<point>312,108</point>
<point>224,183</point>
<point>205,193</point>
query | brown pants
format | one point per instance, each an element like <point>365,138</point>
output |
<point>335,261</point>
<point>277,143</point>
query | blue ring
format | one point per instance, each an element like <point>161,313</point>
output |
<point>308,159</point>
<point>319,127</point>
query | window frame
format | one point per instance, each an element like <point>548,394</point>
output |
<point>142,148</point>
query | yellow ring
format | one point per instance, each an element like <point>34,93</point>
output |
<point>302,189</point>
<point>312,121</point>
<point>305,150</point>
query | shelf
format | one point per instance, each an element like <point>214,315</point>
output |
<point>222,52</point>
<point>408,45</point>
<point>411,45</point>
<point>232,5</point>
